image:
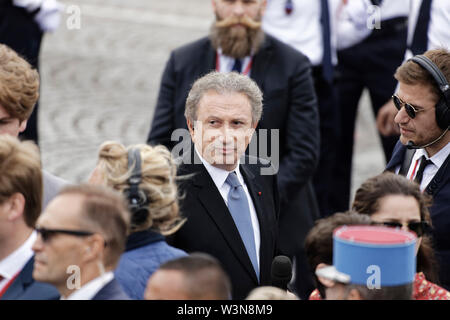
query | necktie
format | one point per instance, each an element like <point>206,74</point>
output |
<point>420,38</point>
<point>327,67</point>
<point>237,66</point>
<point>423,164</point>
<point>240,211</point>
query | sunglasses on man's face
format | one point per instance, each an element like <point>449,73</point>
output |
<point>418,227</point>
<point>47,234</point>
<point>409,108</point>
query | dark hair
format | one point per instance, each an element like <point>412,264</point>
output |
<point>367,201</point>
<point>319,240</point>
<point>204,276</point>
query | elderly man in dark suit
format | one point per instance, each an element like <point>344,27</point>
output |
<point>237,43</point>
<point>81,235</point>
<point>20,206</point>
<point>423,152</point>
<point>230,200</point>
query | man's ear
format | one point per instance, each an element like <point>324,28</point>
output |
<point>16,204</point>
<point>263,7</point>
<point>190,126</point>
<point>23,126</point>
<point>94,248</point>
<point>324,281</point>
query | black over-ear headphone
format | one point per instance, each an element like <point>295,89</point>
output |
<point>443,105</point>
<point>137,198</point>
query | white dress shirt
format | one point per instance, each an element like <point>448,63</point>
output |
<point>49,16</point>
<point>226,63</point>
<point>14,263</point>
<point>90,289</point>
<point>219,176</point>
<point>353,17</point>
<point>430,170</point>
<point>438,29</point>
<point>301,28</point>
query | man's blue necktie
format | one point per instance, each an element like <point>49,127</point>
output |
<point>237,66</point>
<point>327,65</point>
<point>240,211</point>
<point>419,42</point>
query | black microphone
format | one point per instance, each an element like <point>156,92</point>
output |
<point>281,272</point>
<point>411,145</point>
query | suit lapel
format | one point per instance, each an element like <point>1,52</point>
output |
<point>23,280</point>
<point>255,190</point>
<point>261,61</point>
<point>207,62</point>
<point>216,208</point>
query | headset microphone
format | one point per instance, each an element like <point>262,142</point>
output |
<point>411,145</point>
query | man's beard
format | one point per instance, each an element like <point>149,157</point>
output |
<point>237,42</point>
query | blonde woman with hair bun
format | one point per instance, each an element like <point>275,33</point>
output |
<point>155,215</point>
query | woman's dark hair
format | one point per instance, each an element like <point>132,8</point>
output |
<point>367,201</point>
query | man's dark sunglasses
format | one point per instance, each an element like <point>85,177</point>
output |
<point>418,227</point>
<point>46,234</point>
<point>410,109</point>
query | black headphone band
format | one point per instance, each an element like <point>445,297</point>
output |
<point>137,198</point>
<point>434,71</point>
<point>134,158</point>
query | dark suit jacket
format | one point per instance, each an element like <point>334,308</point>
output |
<point>290,105</point>
<point>210,227</point>
<point>26,288</point>
<point>111,291</point>
<point>440,213</point>
<point>19,31</point>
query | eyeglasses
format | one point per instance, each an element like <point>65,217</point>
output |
<point>47,234</point>
<point>418,227</point>
<point>409,108</point>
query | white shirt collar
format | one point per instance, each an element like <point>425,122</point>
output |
<point>226,62</point>
<point>90,289</point>
<point>437,159</point>
<point>15,262</point>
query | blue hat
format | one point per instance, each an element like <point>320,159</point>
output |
<point>362,252</point>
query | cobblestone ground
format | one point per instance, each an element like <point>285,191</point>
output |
<point>100,82</point>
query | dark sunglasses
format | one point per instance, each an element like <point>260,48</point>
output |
<point>418,227</point>
<point>46,234</point>
<point>410,109</point>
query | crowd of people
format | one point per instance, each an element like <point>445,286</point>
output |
<point>205,214</point>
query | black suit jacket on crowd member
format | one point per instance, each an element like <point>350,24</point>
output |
<point>439,211</point>
<point>210,227</point>
<point>25,287</point>
<point>290,105</point>
<point>111,291</point>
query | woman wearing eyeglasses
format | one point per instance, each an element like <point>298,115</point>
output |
<point>395,201</point>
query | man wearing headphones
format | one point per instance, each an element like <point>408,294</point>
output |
<point>422,154</point>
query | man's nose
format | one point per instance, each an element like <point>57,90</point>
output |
<point>37,245</point>
<point>238,9</point>
<point>401,116</point>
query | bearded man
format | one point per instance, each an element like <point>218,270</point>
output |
<point>290,116</point>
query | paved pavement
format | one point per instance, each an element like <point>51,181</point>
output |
<point>100,82</point>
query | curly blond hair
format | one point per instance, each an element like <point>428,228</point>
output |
<point>19,84</point>
<point>158,171</point>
